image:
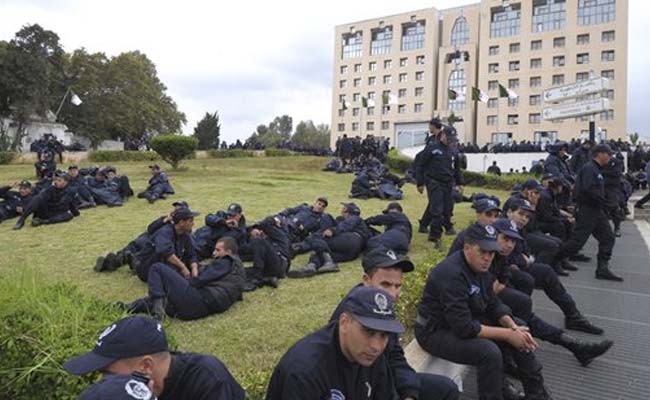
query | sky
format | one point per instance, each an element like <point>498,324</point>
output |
<point>252,60</point>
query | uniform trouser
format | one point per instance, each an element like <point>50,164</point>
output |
<point>487,356</point>
<point>522,307</point>
<point>522,281</point>
<point>440,203</point>
<point>557,229</point>
<point>183,300</point>
<point>266,260</point>
<point>6,214</point>
<point>590,221</point>
<point>644,199</point>
<point>547,280</point>
<point>393,239</point>
<point>84,194</point>
<point>437,387</point>
<point>343,247</point>
<point>136,244</point>
<point>53,218</point>
<point>425,220</point>
<point>545,248</point>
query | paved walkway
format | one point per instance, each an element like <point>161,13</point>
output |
<point>622,309</point>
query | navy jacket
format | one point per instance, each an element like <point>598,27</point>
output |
<point>12,199</point>
<point>160,179</point>
<point>397,221</point>
<point>205,238</point>
<point>547,210</point>
<point>302,220</point>
<point>438,162</point>
<point>352,223</point>
<point>224,274</point>
<point>557,166</point>
<point>52,201</point>
<point>277,235</point>
<point>590,186</point>
<point>162,244</point>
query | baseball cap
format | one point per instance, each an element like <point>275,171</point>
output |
<point>484,236</point>
<point>180,203</point>
<point>383,257</point>
<point>602,148</point>
<point>154,166</point>
<point>25,184</point>
<point>508,228</point>
<point>450,132</point>
<point>352,208</point>
<point>523,204</point>
<point>118,387</point>
<point>129,337</point>
<point>485,204</point>
<point>62,174</point>
<point>549,177</point>
<point>182,214</point>
<point>374,309</point>
<point>323,200</point>
<point>110,168</point>
<point>436,122</point>
<point>532,184</point>
<point>234,208</point>
<point>393,206</point>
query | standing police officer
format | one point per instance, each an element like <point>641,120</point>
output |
<point>437,170</point>
<point>435,127</point>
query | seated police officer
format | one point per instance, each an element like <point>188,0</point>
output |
<point>345,359</point>
<point>171,245</point>
<point>123,184</point>
<point>14,202</point>
<point>398,230</point>
<point>231,222</point>
<point>138,345</point>
<point>104,189</point>
<point>384,269</point>
<point>271,254</point>
<point>213,290</point>
<point>461,319</point>
<point>120,387</point>
<point>159,186</point>
<point>305,219</point>
<point>78,183</point>
<point>54,204</point>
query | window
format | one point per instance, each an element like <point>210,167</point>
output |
<point>608,36</point>
<point>357,67</point>
<point>352,45</point>
<point>341,113</point>
<point>356,82</point>
<point>385,125</point>
<point>355,112</point>
<point>493,68</point>
<point>513,83</point>
<point>355,126</point>
<point>536,45</point>
<point>534,118</point>
<point>608,73</point>
<point>548,15</point>
<point>493,85</point>
<point>607,115</point>
<point>458,83</point>
<point>515,47</point>
<point>340,127</point>
<point>419,91</point>
<point>419,60</point>
<point>546,137</point>
<point>372,66</point>
<point>534,100</point>
<point>610,94</point>
<point>582,58</point>
<point>401,93</point>
<point>460,32</point>
<point>419,76</point>
<point>344,69</point>
<point>501,137</point>
<point>513,102</point>
<point>583,39</point>
<point>513,66</point>
<point>356,97</point>
<point>403,62</point>
<point>370,126</point>
<point>343,83</point>
<point>341,98</point>
<point>372,81</point>
<point>607,55</point>
<point>370,111</point>
<point>535,63</point>
<point>582,76</point>
<point>385,110</point>
<point>559,42</point>
<point>491,119</point>
<point>401,109</point>
<point>592,12</point>
<point>417,107</point>
<point>388,64</point>
<point>558,61</point>
<point>558,79</point>
<point>493,102</point>
<point>535,81</point>
<point>403,77</point>
<point>388,79</point>
<point>493,50</point>
<point>513,119</point>
<point>371,95</point>
<point>413,35</point>
<point>381,40</point>
<point>505,21</point>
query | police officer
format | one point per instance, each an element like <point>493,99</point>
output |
<point>384,269</point>
<point>270,244</point>
<point>230,222</point>
<point>345,359</point>
<point>461,319</point>
<point>439,172</point>
<point>78,183</point>
<point>105,190</point>
<point>487,211</point>
<point>613,179</point>
<point>590,217</point>
<point>435,127</point>
<point>14,202</point>
<point>305,219</point>
<point>214,289</point>
<point>398,230</point>
<point>158,187</point>
<point>138,345</point>
<point>53,205</point>
<point>120,387</point>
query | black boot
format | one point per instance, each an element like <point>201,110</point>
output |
<point>585,352</point>
<point>111,262</point>
<point>568,266</point>
<point>251,284</point>
<point>510,391</point>
<point>603,272</point>
<point>270,281</point>
<point>559,270</point>
<point>437,244</point>
<point>19,224</point>
<point>99,264</point>
<point>578,322</point>
<point>307,271</point>
<point>422,228</point>
<point>141,305</point>
<point>328,264</point>
<point>580,258</point>
<point>158,309</point>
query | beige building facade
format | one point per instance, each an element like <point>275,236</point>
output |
<point>393,74</point>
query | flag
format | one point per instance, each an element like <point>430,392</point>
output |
<point>384,99</point>
<point>505,92</point>
<point>479,95</point>
<point>364,102</point>
<point>452,94</point>
<point>344,105</point>
<point>75,100</point>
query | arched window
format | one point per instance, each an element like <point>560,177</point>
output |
<point>458,84</point>
<point>460,32</point>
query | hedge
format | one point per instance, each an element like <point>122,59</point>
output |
<point>103,156</point>
<point>278,153</point>
<point>398,162</point>
<point>6,157</point>
<point>174,148</point>
<point>234,153</point>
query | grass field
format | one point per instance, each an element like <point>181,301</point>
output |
<point>252,335</point>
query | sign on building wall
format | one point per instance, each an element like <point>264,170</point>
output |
<point>578,89</point>
<point>572,110</point>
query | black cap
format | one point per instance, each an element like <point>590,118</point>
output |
<point>154,166</point>
<point>484,236</point>
<point>436,122</point>
<point>450,131</point>
<point>25,184</point>
<point>118,387</point>
<point>73,166</point>
<point>180,203</point>
<point>323,200</point>
<point>374,309</point>
<point>549,177</point>
<point>532,184</point>
<point>61,174</point>
<point>485,204</point>
<point>523,204</point>
<point>393,206</point>
<point>602,148</point>
<point>183,214</point>
<point>233,209</point>
<point>508,228</point>
<point>110,168</point>
<point>352,208</point>
<point>129,337</point>
<point>383,257</point>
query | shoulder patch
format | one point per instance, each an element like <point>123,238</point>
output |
<point>138,390</point>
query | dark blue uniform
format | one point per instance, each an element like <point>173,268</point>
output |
<point>347,242</point>
<point>303,220</point>
<point>549,218</point>
<point>315,368</point>
<point>158,187</point>
<point>397,234</point>
<point>271,253</point>
<point>105,191</point>
<point>206,237</point>
<point>52,205</point>
<point>164,243</point>
<point>12,202</point>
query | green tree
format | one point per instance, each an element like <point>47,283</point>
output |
<point>207,131</point>
<point>634,137</point>
<point>174,148</point>
<point>309,135</point>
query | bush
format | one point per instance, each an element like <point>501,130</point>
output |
<point>174,148</point>
<point>504,182</point>
<point>398,162</point>
<point>234,153</point>
<point>6,157</point>
<point>278,153</point>
<point>103,156</point>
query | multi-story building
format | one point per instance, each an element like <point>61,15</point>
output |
<point>393,74</point>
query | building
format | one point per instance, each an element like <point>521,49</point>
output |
<point>393,74</point>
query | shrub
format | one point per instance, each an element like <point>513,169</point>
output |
<point>504,182</point>
<point>278,153</point>
<point>174,148</point>
<point>398,162</point>
<point>103,156</point>
<point>6,157</point>
<point>234,153</point>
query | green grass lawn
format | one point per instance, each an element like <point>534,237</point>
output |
<point>253,334</point>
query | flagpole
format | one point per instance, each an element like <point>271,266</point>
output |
<point>58,110</point>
